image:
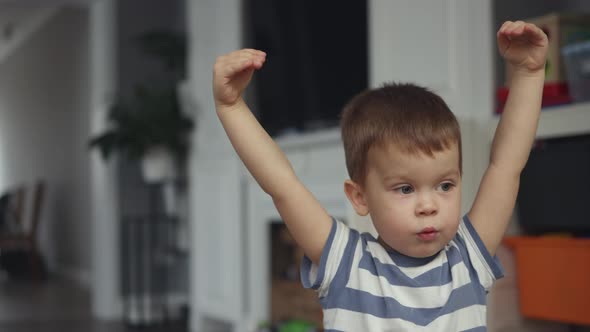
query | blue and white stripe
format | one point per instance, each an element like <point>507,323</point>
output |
<point>364,287</point>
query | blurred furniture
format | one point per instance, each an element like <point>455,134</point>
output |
<point>25,238</point>
<point>11,209</point>
<point>553,275</point>
<point>150,257</point>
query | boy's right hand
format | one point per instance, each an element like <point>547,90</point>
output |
<point>232,73</point>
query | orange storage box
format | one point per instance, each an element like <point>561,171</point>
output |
<point>553,276</point>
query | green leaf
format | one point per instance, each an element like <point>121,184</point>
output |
<point>152,117</point>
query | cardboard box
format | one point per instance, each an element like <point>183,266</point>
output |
<point>289,300</point>
<point>561,29</point>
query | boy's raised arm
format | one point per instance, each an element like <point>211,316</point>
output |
<point>524,48</point>
<point>306,219</point>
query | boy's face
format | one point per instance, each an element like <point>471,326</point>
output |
<point>414,200</point>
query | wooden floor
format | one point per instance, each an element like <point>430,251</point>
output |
<point>56,306</point>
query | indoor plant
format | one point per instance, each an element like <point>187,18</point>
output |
<point>151,127</point>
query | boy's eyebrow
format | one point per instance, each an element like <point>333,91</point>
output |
<point>402,177</point>
<point>451,172</point>
<point>396,177</point>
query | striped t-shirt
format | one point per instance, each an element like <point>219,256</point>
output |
<point>364,287</point>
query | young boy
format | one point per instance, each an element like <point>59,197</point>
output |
<point>429,269</point>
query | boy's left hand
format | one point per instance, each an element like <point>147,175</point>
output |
<point>523,45</point>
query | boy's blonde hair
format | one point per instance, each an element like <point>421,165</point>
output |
<point>412,117</point>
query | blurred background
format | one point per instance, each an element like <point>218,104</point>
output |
<point>123,206</point>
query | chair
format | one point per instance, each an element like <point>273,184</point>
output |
<point>11,209</point>
<point>26,239</point>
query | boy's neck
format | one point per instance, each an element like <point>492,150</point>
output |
<point>396,255</point>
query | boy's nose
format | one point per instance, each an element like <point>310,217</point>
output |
<point>426,206</point>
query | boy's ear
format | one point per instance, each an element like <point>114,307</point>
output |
<point>356,196</point>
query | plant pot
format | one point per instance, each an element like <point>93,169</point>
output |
<point>158,165</point>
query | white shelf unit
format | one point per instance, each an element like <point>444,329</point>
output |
<point>567,120</point>
<point>560,121</point>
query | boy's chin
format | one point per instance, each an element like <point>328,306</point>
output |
<point>423,252</point>
<point>428,253</point>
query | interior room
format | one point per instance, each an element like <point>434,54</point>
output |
<point>105,231</point>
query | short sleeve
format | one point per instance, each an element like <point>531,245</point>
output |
<point>487,267</point>
<point>319,277</point>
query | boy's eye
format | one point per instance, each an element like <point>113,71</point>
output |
<point>446,186</point>
<point>405,190</point>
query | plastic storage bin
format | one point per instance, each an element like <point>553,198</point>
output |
<point>577,65</point>
<point>553,276</point>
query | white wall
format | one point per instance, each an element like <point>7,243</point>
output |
<point>43,133</point>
